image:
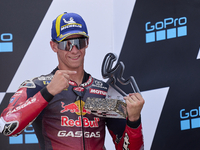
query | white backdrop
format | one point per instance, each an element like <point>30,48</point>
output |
<point>107,22</point>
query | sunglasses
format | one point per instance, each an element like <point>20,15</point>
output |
<point>68,44</point>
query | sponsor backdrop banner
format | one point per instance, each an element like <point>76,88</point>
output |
<point>158,41</point>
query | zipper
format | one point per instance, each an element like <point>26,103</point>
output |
<point>83,135</point>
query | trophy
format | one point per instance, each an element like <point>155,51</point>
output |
<point>113,106</point>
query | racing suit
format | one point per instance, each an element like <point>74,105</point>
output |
<point>61,122</point>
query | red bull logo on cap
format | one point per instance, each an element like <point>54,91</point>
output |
<point>76,107</point>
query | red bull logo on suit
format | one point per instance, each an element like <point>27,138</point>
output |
<point>76,107</point>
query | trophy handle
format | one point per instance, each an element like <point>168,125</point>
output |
<point>116,74</point>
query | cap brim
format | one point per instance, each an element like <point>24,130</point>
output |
<point>67,34</point>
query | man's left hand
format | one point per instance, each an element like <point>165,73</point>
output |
<point>135,104</point>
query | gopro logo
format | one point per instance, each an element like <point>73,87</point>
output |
<point>190,118</point>
<point>28,137</point>
<point>158,31</point>
<point>6,45</point>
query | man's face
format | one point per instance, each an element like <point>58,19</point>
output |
<point>71,60</point>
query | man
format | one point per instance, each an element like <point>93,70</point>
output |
<point>54,103</point>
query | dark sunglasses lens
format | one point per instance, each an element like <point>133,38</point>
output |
<point>65,45</point>
<point>68,44</point>
<point>83,43</point>
<point>75,42</point>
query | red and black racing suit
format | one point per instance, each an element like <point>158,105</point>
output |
<point>61,122</point>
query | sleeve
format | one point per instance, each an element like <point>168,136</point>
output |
<point>22,110</point>
<point>126,135</point>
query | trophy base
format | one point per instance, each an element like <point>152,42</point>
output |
<point>103,107</point>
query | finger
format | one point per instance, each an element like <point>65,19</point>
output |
<point>133,98</point>
<point>67,73</point>
<point>128,99</point>
<point>136,96</point>
<point>71,72</point>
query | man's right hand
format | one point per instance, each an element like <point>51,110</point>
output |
<point>60,81</point>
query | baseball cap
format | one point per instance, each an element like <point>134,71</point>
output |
<point>68,24</point>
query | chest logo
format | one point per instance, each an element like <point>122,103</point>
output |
<point>76,107</point>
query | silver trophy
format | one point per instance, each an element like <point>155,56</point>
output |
<point>113,106</point>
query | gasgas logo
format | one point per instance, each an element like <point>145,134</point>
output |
<point>76,107</point>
